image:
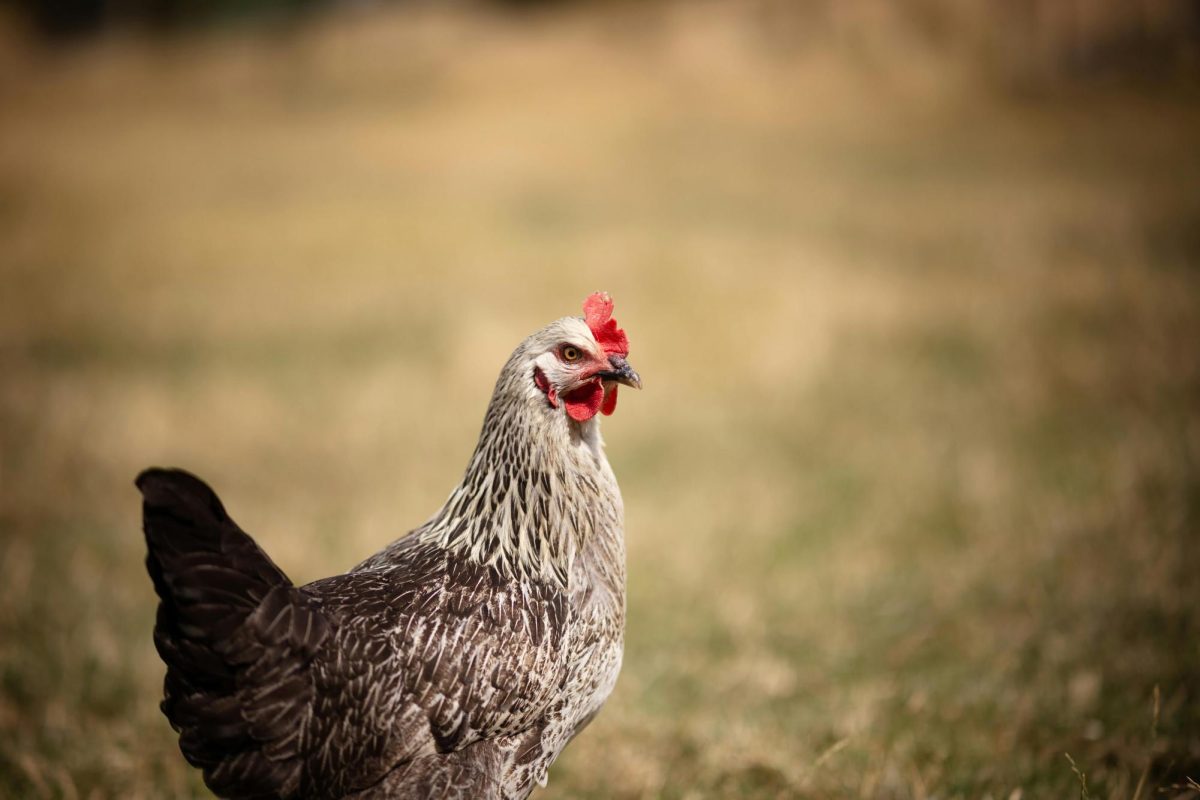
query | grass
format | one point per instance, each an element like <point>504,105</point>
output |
<point>912,492</point>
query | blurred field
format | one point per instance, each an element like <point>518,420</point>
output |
<point>913,491</point>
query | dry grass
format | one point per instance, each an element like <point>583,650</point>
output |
<point>913,491</point>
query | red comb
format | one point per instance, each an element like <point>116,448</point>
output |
<point>597,312</point>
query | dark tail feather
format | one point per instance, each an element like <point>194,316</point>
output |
<point>236,636</point>
<point>186,527</point>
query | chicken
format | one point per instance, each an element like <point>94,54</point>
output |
<point>457,662</point>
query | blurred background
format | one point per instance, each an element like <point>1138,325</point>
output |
<point>913,491</point>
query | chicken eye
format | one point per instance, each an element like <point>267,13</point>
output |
<point>570,353</point>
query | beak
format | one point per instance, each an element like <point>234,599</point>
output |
<point>621,372</point>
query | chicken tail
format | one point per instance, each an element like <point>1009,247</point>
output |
<point>237,637</point>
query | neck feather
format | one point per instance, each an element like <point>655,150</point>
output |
<point>536,490</point>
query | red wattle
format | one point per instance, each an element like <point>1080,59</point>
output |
<point>610,402</point>
<point>583,403</point>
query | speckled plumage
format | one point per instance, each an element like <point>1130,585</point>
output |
<point>455,663</point>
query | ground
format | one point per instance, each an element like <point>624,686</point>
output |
<point>913,489</point>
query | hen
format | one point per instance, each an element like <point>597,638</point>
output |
<point>457,662</point>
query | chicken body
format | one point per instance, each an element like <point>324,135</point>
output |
<point>457,662</point>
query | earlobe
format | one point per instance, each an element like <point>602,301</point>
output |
<point>543,383</point>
